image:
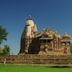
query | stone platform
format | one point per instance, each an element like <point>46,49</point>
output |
<point>37,59</point>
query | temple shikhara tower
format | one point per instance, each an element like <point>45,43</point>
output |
<point>47,42</point>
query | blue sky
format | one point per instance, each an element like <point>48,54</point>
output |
<point>56,14</point>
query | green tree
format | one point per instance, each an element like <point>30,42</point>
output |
<point>1,51</point>
<point>6,50</point>
<point>3,35</point>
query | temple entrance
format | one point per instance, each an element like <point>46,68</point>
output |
<point>46,44</point>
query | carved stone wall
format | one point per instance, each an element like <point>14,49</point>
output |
<point>37,59</point>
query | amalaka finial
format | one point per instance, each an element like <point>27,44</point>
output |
<point>30,17</point>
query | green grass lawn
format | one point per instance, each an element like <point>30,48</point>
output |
<point>30,68</point>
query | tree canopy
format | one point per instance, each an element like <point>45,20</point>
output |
<point>3,37</point>
<point>3,34</point>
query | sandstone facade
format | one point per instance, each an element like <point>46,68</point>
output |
<point>47,42</point>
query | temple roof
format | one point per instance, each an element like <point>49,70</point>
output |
<point>29,21</point>
<point>29,18</point>
<point>66,36</point>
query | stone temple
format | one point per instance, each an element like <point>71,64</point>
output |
<point>47,42</point>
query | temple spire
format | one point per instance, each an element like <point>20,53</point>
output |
<point>30,17</point>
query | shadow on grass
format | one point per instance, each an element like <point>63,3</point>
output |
<point>60,66</point>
